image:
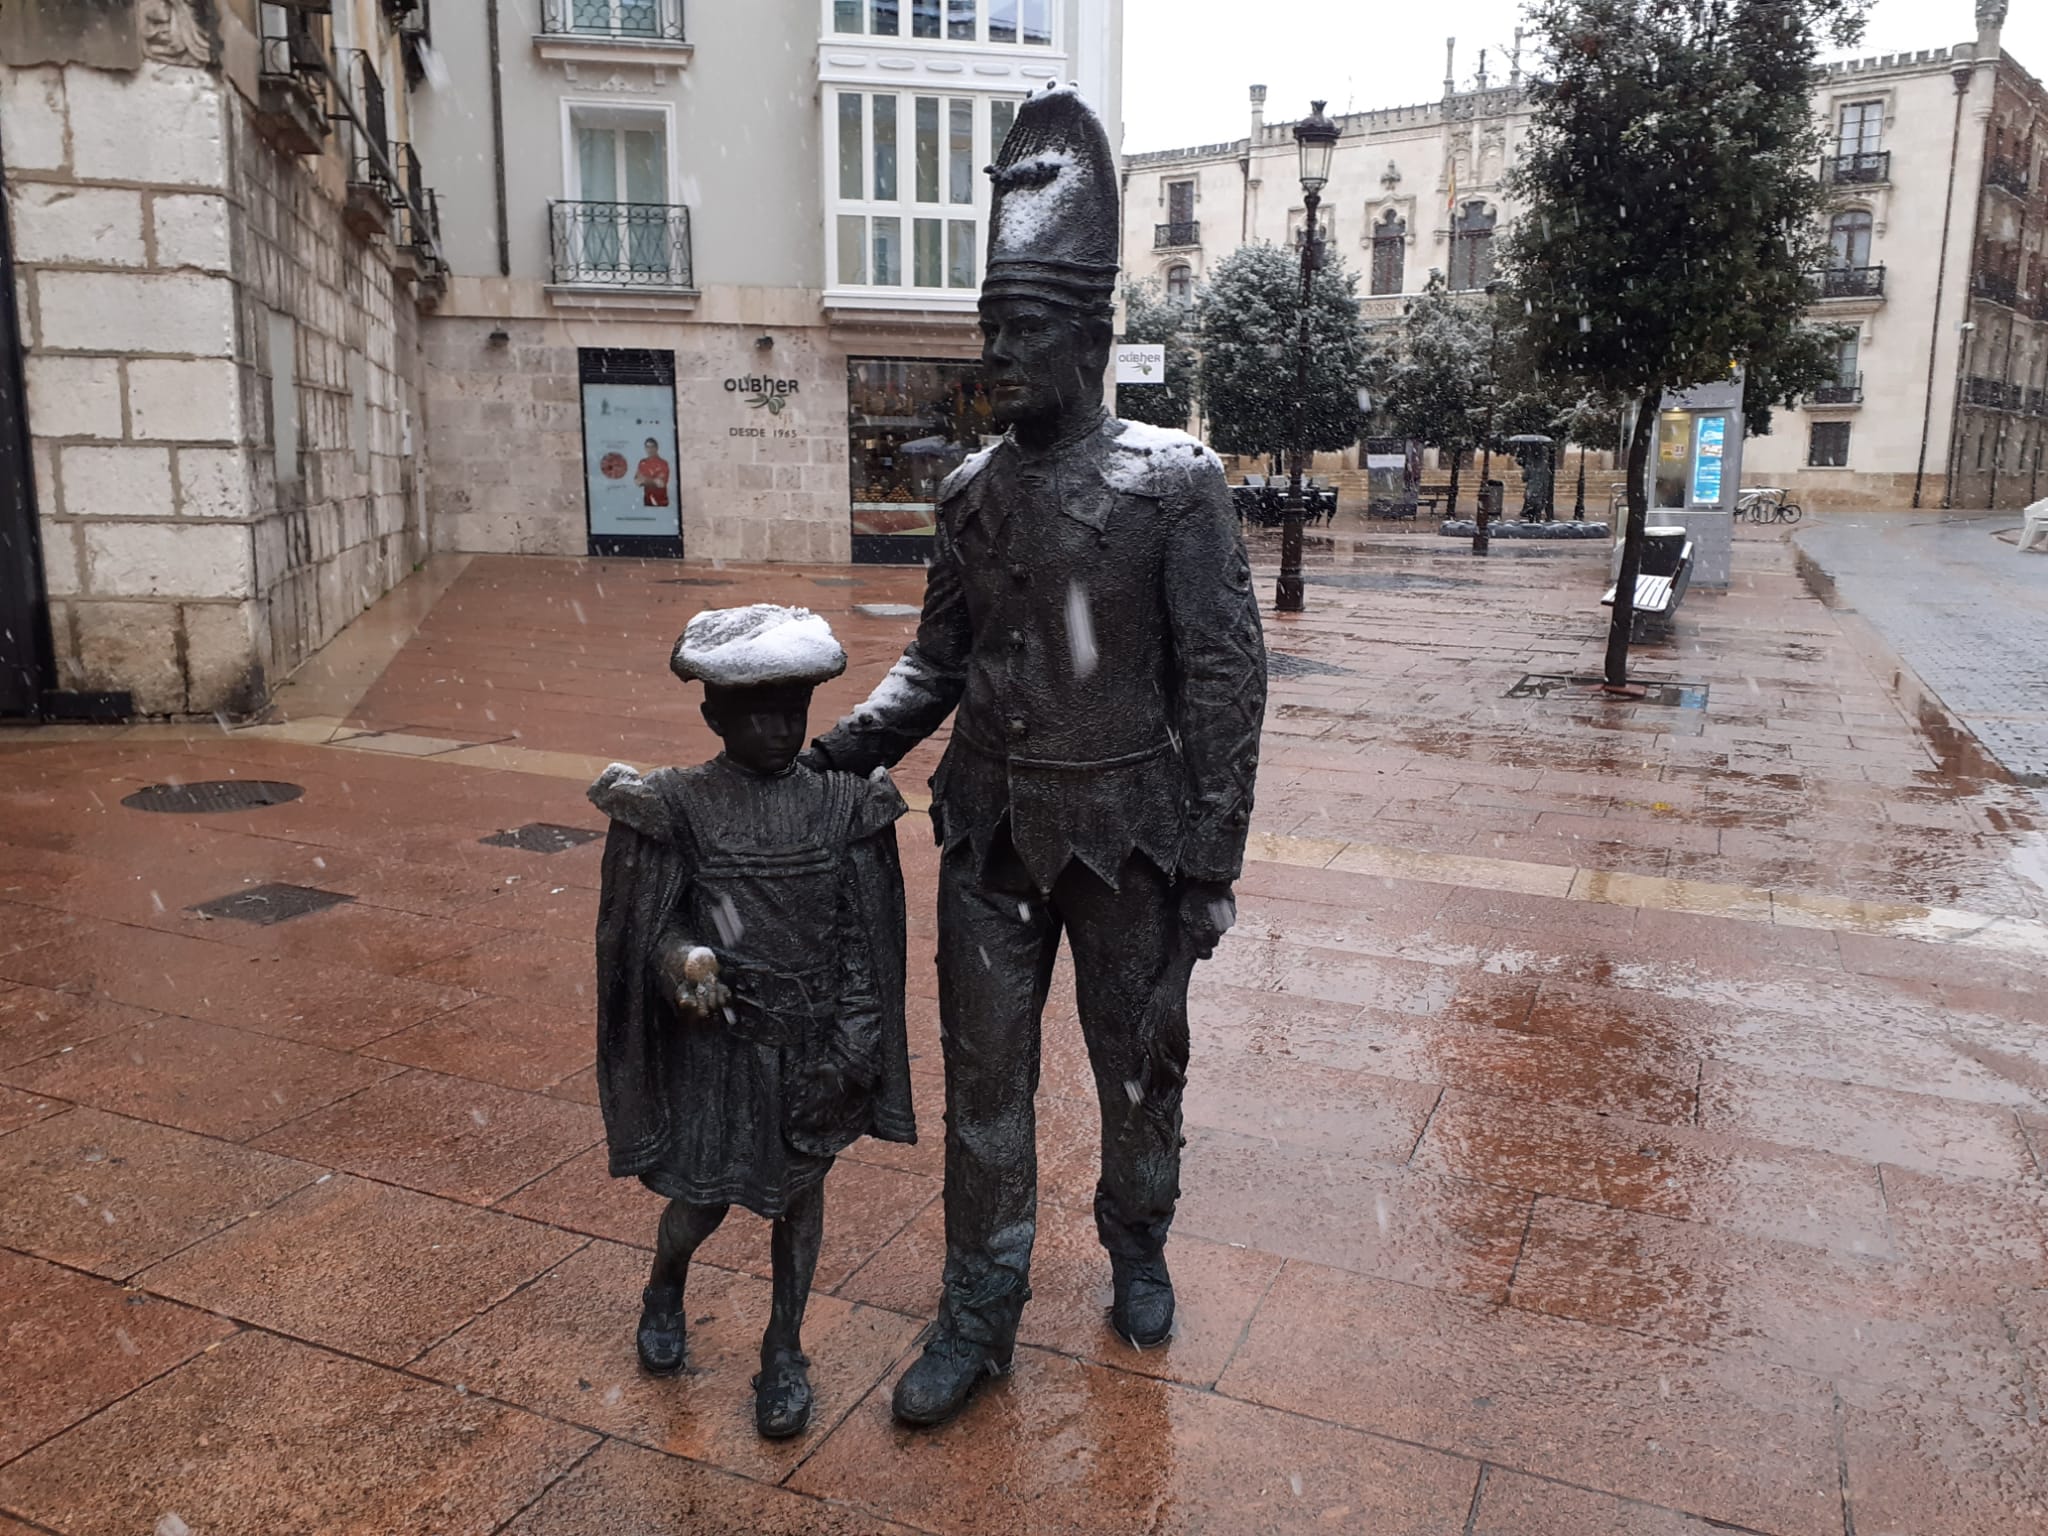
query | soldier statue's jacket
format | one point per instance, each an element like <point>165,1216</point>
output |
<point>1090,612</point>
<point>792,881</point>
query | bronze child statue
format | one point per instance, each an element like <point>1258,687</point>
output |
<point>750,953</point>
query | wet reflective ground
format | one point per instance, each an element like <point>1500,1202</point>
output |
<point>1605,1120</point>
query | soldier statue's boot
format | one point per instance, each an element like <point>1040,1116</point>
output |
<point>939,1382</point>
<point>661,1330</point>
<point>1143,1309</point>
<point>782,1395</point>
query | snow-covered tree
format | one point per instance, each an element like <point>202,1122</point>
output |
<point>1151,318</point>
<point>1671,213</point>
<point>1248,316</point>
<point>1436,383</point>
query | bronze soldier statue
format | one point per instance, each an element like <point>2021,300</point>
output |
<point>1089,610</point>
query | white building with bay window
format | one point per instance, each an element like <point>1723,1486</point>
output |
<point>714,266</point>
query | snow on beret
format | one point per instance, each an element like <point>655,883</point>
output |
<point>761,645</point>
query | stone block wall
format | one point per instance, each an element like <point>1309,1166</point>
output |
<point>156,233</point>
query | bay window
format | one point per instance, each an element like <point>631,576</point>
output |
<point>1025,23</point>
<point>909,200</point>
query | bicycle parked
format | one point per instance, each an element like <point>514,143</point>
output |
<point>1767,504</point>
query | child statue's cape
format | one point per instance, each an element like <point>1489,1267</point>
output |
<point>651,856</point>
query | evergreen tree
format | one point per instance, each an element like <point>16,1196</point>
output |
<point>1671,213</point>
<point>1436,383</point>
<point>1151,318</point>
<point>1248,316</point>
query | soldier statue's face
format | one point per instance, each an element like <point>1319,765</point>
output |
<point>1040,362</point>
<point>762,728</point>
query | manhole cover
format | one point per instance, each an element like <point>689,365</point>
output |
<point>267,904</point>
<point>1281,664</point>
<point>1543,685</point>
<point>542,837</point>
<point>887,610</point>
<point>695,581</point>
<point>210,795</point>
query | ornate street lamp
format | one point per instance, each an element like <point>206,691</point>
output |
<point>1479,537</point>
<point>1315,136</point>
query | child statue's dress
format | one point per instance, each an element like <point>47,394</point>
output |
<point>792,881</point>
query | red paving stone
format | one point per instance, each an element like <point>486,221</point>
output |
<point>1505,1211</point>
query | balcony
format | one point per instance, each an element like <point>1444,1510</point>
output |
<point>1842,392</point>
<point>626,247</point>
<point>1849,282</point>
<point>1996,287</point>
<point>1866,168</point>
<point>363,114</point>
<point>291,109</point>
<point>2007,174</point>
<point>612,32</point>
<point>1166,237</point>
<point>1994,394</point>
<point>416,239</point>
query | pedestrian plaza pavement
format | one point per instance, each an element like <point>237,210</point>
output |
<point>1607,1119</point>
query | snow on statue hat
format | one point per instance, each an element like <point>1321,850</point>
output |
<point>1054,228</point>
<point>763,645</point>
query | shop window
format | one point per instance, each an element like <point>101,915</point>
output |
<point>1472,247</point>
<point>1180,284</point>
<point>1389,253</point>
<point>1828,445</point>
<point>909,201</point>
<point>909,424</point>
<point>629,451</point>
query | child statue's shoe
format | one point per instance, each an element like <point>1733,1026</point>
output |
<point>782,1395</point>
<point>1143,1308</point>
<point>661,1330</point>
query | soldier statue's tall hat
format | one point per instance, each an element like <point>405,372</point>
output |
<point>1053,229</point>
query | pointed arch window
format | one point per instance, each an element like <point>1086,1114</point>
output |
<point>1389,253</point>
<point>1472,247</point>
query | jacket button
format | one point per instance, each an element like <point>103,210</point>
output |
<point>1020,576</point>
<point>1016,725</point>
<point>1017,639</point>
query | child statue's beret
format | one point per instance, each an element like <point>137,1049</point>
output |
<point>763,645</point>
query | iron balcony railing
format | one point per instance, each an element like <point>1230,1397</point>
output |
<point>291,48</point>
<point>1994,393</point>
<point>622,245</point>
<point>646,21</point>
<point>1850,282</point>
<point>368,136</point>
<point>1996,287</point>
<point>2003,171</point>
<point>1841,392</point>
<point>1862,168</point>
<point>1179,232</point>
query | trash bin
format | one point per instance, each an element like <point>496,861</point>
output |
<point>1491,495</point>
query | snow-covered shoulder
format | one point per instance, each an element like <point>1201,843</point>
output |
<point>1153,460</point>
<point>966,470</point>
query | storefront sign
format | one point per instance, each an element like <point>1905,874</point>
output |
<point>1141,365</point>
<point>1709,447</point>
<point>629,455</point>
<point>762,393</point>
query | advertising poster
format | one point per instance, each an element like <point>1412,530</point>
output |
<point>1706,462</point>
<point>629,457</point>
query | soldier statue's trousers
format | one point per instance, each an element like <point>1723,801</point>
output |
<point>997,942</point>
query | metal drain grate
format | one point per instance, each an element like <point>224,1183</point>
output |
<point>209,795</point>
<point>836,581</point>
<point>542,837</point>
<point>267,904</point>
<point>695,581</point>
<point>1543,685</point>
<point>1281,664</point>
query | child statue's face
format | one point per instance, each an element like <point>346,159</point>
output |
<point>762,728</point>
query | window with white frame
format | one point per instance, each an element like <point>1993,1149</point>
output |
<point>1026,23</point>
<point>908,197</point>
<point>619,221</point>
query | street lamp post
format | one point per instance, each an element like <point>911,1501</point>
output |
<point>1315,137</point>
<point>1479,538</point>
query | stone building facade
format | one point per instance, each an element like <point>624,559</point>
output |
<point>714,270</point>
<point>1936,158</point>
<point>220,246</point>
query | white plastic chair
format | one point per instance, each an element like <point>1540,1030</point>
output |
<point>2035,529</point>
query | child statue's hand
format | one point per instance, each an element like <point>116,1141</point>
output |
<point>699,992</point>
